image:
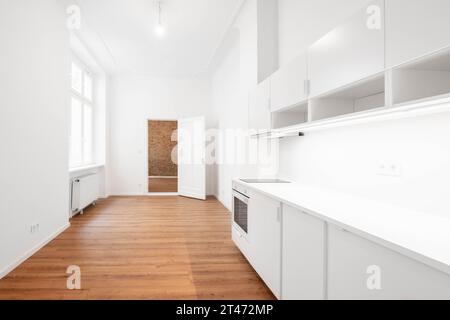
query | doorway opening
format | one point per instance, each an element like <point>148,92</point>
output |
<point>162,156</point>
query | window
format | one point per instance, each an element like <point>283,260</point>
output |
<point>82,114</point>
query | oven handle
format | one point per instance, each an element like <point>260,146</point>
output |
<point>241,197</point>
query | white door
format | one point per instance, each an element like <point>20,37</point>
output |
<point>191,158</point>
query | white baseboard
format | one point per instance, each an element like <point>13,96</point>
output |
<point>30,253</point>
<point>151,194</point>
<point>131,194</point>
<point>224,204</point>
<point>162,194</point>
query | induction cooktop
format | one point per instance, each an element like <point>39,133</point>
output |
<point>264,181</point>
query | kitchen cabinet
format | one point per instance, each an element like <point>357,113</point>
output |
<point>264,237</point>
<point>288,84</point>
<point>351,52</point>
<point>361,269</point>
<point>259,107</point>
<point>415,28</point>
<point>303,256</point>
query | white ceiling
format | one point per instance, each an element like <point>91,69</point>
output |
<point>120,33</point>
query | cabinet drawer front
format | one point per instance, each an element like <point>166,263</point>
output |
<point>415,28</point>
<point>361,269</point>
<point>240,241</point>
<point>351,52</point>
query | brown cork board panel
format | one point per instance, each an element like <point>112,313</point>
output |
<point>160,146</point>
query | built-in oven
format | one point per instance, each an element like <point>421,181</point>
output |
<point>240,211</point>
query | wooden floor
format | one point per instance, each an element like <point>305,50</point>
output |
<point>167,185</point>
<point>141,248</point>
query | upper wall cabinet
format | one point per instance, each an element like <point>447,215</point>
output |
<point>415,28</point>
<point>288,84</point>
<point>259,107</point>
<point>351,52</point>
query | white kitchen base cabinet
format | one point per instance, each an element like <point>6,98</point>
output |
<point>265,240</point>
<point>303,256</point>
<point>362,270</point>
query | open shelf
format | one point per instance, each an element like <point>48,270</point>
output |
<point>419,87</point>
<point>290,116</point>
<point>361,96</point>
<point>422,79</point>
<point>418,108</point>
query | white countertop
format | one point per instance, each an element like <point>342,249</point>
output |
<point>422,236</point>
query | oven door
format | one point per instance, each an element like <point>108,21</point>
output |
<point>240,211</point>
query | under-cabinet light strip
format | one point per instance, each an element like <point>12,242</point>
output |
<point>388,113</point>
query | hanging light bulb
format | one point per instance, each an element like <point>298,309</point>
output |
<point>160,31</point>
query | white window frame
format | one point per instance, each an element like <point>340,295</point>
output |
<point>84,101</point>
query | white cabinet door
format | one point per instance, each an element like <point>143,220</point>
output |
<point>303,256</point>
<point>415,28</point>
<point>259,107</point>
<point>264,235</point>
<point>361,269</point>
<point>288,84</point>
<point>351,52</point>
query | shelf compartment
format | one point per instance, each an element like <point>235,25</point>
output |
<point>418,108</point>
<point>290,116</point>
<point>424,78</point>
<point>364,95</point>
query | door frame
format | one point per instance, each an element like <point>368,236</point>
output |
<point>154,194</point>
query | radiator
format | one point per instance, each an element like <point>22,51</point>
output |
<point>84,192</point>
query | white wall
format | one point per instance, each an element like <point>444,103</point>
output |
<point>134,100</point>
<point>235,72</point>
<point>346,159</point>
<point>34,122</point>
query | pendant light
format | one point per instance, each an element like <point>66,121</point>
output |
<point>160,31</point>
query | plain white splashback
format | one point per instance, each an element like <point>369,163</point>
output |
<point>348,159</point>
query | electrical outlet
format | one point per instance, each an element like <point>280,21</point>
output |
<point>34,228</point>
<point>390,170</point>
